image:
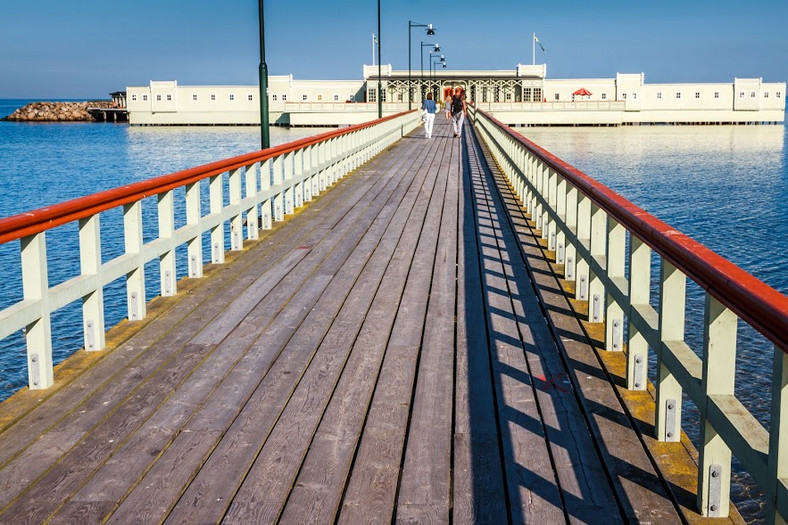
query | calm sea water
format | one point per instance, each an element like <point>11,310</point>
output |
<point>723,185</point>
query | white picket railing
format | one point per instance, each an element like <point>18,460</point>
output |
<point>587,225</point>
<point>263,187</point>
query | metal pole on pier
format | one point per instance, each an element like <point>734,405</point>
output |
<point>264,131</point>
<point>380,89</point>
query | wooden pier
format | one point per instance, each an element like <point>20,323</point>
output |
<point>398,350</point>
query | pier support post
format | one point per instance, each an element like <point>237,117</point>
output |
<point>236,222</point>
<point>135,279</point>
<point>167,267</point>
<point>719,375</point>
<point>217,232</point>
<point>778,439</point>
<point>90,264</point>
<point>615,259</point>
<point>639,299</point>
<point>672,307</point>
<point>38,334</point>
<point>193,217</point>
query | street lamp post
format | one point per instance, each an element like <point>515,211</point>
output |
<point>380,88</point>
<point>265,138</point>
<point>434,61</point>
<point>430,31</point>
<point>436,49</point>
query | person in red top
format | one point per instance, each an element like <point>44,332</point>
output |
<point>458,111</point>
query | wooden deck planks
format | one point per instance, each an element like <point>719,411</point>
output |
<point>380,357</point>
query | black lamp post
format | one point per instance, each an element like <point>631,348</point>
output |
<point>264,132</point>
<point>436,49</point>
<point>434,61</point>
<point>430,31</point>
<point>380,88</point>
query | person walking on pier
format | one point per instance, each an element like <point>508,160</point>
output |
<point>458,110</point>
<point>429,109</point>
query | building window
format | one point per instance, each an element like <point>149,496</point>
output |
<point>273,97</point>
<point>557,96</point>
<point>319,97</point>
<point>134,97</point>
<point>250,97</point>
<point>778,95</point>
<point>194,97</point>
<point>400,97</point>
<point>538,95</point>
<point>741,94</point>
<point>304,98</point>
<point>336,98</point>
<point>659,94</point>
<point>697,94</point>
<point>232,97</point>
<point>752,94</point>
<point>145,98</point>
<point>169,98</point>
<point>716,94</point>
<point>623,96</point>
<point>508,97</point>
<point>372,95</point>
<point>158,98</point>
<point>351,98</point>
<point>765,94</point>
<point>678,95</point>
<point>284,97</point>
<point>213,96</point>
<point>634,96</point>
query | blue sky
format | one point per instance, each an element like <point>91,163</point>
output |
<point>88,48</point>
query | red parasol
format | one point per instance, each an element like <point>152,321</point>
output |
<point>583,92</point>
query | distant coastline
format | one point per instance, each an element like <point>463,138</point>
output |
<point>53,111</point>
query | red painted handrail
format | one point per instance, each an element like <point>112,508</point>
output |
<point>36,221</point>
<point>760,305</point>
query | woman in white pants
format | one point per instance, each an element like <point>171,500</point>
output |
<point>429,109</point>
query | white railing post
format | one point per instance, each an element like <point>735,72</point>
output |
<point>639,298</point>
<point>90,264</point>
<point>309,170</point>
<point>216,191</point>
<point>615,260</point>
<point>570,258</point>
<point>279,199</point>
<point>598,247</point>
<point>583,240</point>
<point>552,192</point>
<point>135,279</point>
<point>298,175</point>
<point>193,218</point>
<point>266,211</point>
<point>672,305</point>
<point>236,222</point>
<point>560,210</point>
<point>250,192</point>
<point>35,288</point>
<point>167,267</point>
<point>289,191</point>
<point>719,376</point>
<point>778,438</point>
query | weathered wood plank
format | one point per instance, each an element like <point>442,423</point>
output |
<point>321,481</point>
<point>426,470</point>
<point>371,491</point>
<point>479,494</point>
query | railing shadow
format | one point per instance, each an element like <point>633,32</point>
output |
<point>500,422</point>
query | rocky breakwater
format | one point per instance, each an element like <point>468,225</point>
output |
<point>57,111</point>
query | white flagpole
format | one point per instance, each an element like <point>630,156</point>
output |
<point>373,49</point>
<point>533,46</point>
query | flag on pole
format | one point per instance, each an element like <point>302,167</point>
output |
<point>536,39</point>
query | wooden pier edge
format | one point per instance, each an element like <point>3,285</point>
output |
<point>675,462</point>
